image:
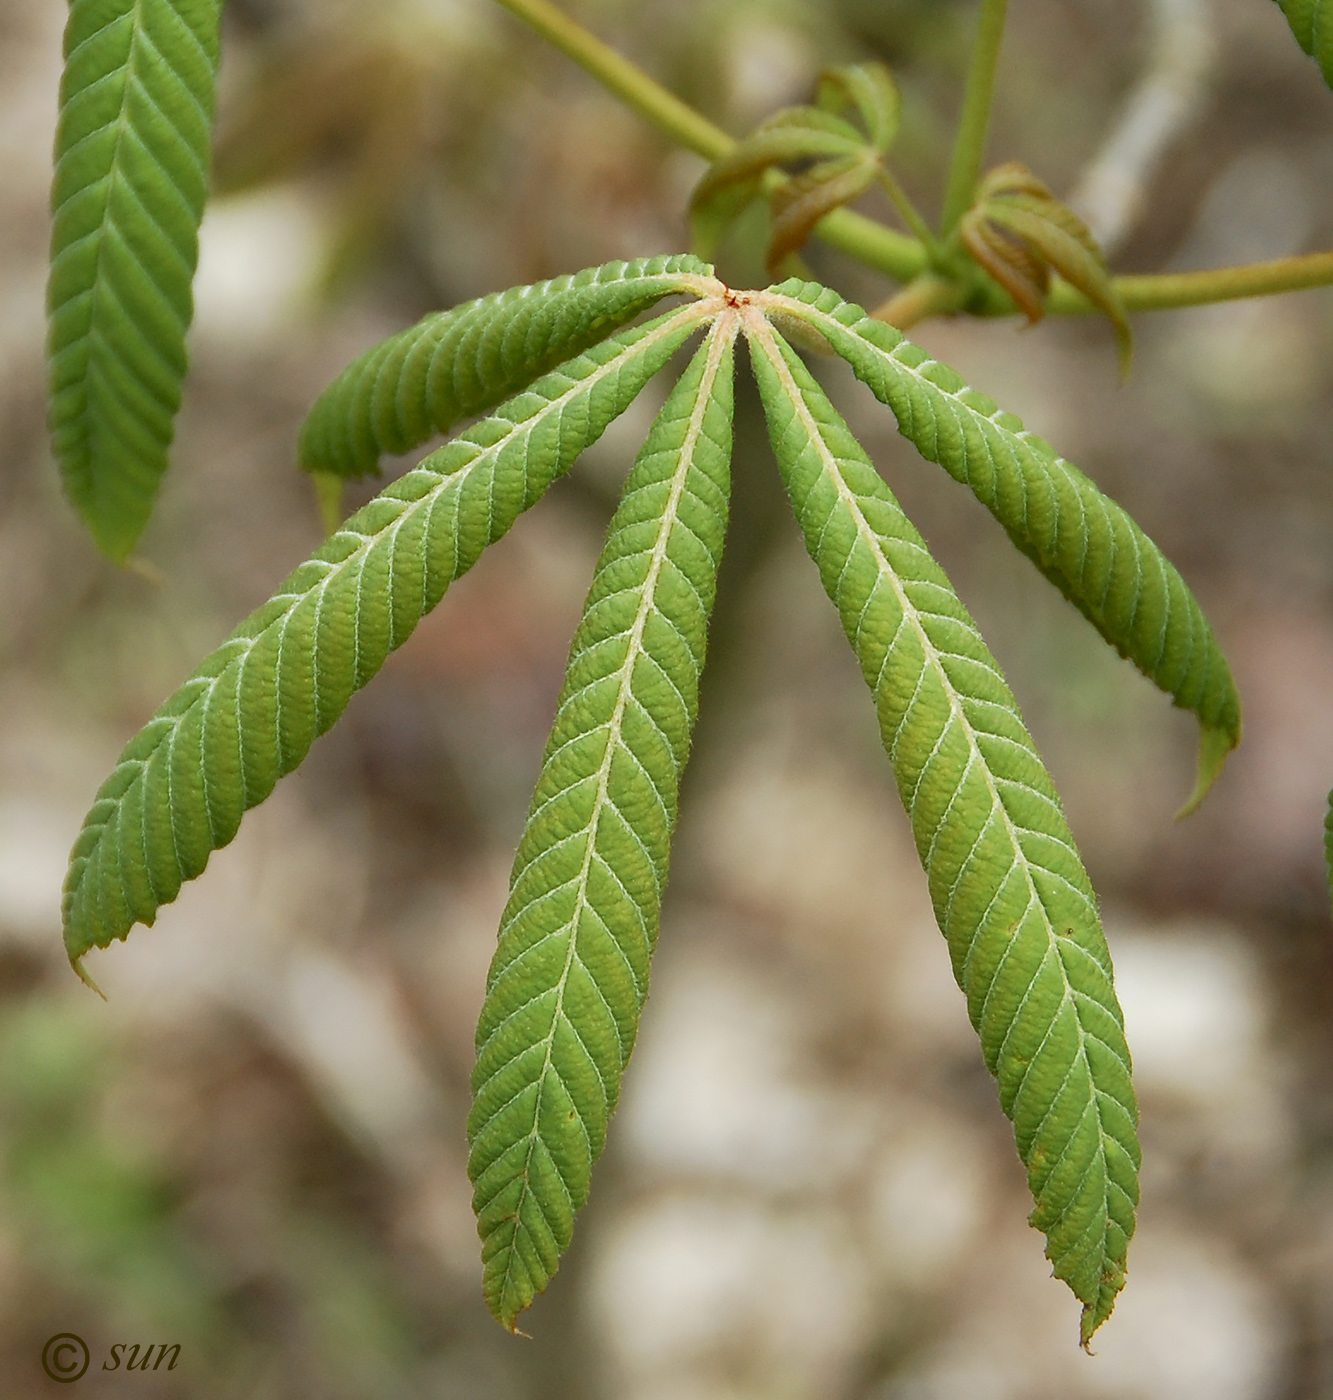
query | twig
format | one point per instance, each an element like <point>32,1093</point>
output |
<point>1161,291</point>
<point>911,215</point>
<point>970,146</point>
<point>923,297</point>
<point>861,238</point>
<point>883,248</point>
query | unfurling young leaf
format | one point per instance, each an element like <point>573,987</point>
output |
<point>800,204</point>
<point>1010,261</point>
<point>1020,233</point>
<point>1086,544</point>
<point>730,183</point>
<point>251,711</point>
<point>136,110</point>
<point>570,973</point>
<point>869,90</point>
<point>1312,23</point>
<point>455,363</point>
<point>846,161</point>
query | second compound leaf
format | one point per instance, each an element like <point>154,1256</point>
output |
<point>1009,890</point>
<point>131,179</point>
<point>570,973</point>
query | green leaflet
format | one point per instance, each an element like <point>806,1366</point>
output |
<point>1312,23</point>
<point>136,110</point>
<point>1009,890</point>
<point>251,711</point>
<point>730,183</point>
<point>870,89</point>
<point>1085,543</point>
<point>455,363</point>
<point>571,970</point>
<point>805,199</point>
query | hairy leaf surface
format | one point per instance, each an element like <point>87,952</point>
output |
<point>1009,890</point>
<point>1312,23</point>
<point>1086,544</point>
<point>250,712</point>
<point>571,970</point>
<point>136,111</point>
<point>455,363</point>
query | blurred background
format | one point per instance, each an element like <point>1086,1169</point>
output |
<point>255,1148</point>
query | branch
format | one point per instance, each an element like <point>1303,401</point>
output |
<point>881,248</point>
<point>1161,291</point>
<point>970,147</point>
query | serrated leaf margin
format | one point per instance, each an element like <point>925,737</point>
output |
<point>554,1037</point>
<point>1079,952</point>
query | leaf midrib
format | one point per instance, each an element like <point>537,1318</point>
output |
<point>114,174</point>
<point>1051,462</point>
<point>139,41</point>
<point>758,330</point>
<point>720,339</point>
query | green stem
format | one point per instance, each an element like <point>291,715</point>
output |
<point>911,215</point>
<point>970,147</point>
<point>882,248</point>
<point>1161,291</point>
<point>629,82</point>
<point>923,297</point>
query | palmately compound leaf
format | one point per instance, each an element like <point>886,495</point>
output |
<point>1086,544</point>
<point>1009,890</point>
<point>1312,23</point>
<point>456,363</point>
<point>251,711</point>
<point>571,970</point>
<point>136,111</point>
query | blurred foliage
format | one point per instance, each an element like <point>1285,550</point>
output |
<point>365,100</point>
